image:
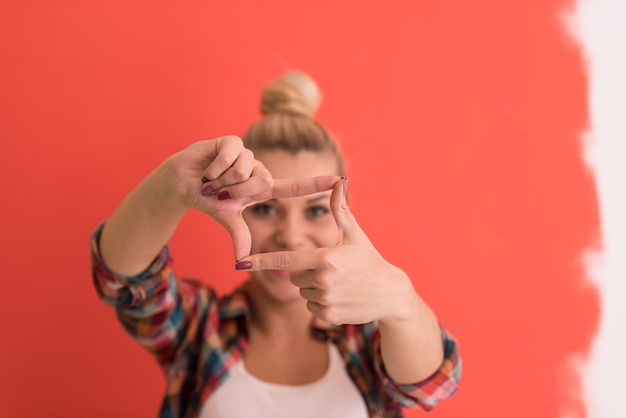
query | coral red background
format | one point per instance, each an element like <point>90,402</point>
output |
<point>462,124</point>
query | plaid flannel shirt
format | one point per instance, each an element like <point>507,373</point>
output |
<point>197,337</point>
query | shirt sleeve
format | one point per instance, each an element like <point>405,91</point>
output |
<point>155,308</point>
<point>442,384</point>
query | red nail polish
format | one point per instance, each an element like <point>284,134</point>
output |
<point>223,195</point>
<point>243,265</point>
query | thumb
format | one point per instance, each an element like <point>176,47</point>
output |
<point>240,234</point>
<point>339,207</point>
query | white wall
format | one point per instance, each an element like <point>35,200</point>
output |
<point>601,28</point>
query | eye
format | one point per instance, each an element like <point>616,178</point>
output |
<point>263,209</point>
<point>317,211</point>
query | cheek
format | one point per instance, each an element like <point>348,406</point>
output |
<point>328,234</point>
<point>259,233</point>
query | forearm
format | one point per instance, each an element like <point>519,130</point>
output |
<point>411,344</point>
<point>141,225</point>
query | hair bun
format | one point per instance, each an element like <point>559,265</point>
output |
<point>295,93</point>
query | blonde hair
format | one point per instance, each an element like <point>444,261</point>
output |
<point>288,106</point>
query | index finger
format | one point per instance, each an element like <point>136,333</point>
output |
<point>302,187</point>
<point>281,260</point>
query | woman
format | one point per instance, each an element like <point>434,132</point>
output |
<point>324,327</point>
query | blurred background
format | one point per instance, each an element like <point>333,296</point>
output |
<point>466,126</point>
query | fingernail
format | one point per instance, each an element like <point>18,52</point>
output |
<point>243,265</point>
<point>345,185</point>
<point>223,195</point>
<point>207,190</point>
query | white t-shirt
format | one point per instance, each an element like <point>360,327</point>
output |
<point>243,395</point>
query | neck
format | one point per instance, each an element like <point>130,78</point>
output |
<point>278,318</point>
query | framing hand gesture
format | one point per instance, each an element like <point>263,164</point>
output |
<point>350,283</point>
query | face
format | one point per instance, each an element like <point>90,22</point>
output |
<point>291,224</point>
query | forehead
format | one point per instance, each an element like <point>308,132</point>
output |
<point>304,164</point>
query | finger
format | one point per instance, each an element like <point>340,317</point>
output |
<point>228,149</point>
<point>302,187</point>
<point>258,187</point>
<point>320,311</point>
<point>314,308</point>
<point>305,279</point>
<point>240,234</point>
<point>311,295</point>
<point>238,172</point>
<point>283,260</point>
<point>339,206</point>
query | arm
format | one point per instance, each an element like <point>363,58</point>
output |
<point>154,307</point>
<point>138,229</point>
<point>411,327</point>
<point>131,267</point>
<point>146,219</point>
<point>426,393</point>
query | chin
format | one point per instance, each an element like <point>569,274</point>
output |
<point>276,286</point>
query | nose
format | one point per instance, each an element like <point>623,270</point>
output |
<point>291,233</point>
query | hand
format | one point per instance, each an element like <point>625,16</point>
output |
<point>221,178</point>
<point>350,283</point>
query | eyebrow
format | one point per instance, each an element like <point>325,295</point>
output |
<point>309,201</point>
<point>315,199</point>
